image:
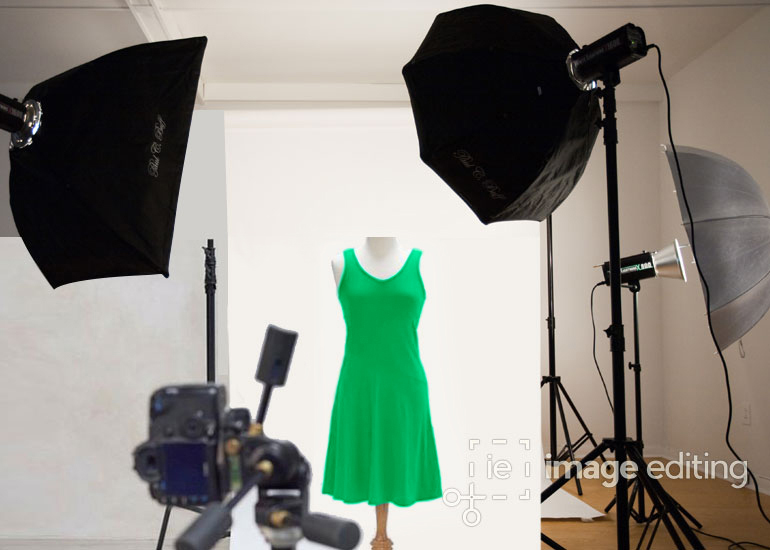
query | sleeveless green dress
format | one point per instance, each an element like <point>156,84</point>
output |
<point>381,443</point>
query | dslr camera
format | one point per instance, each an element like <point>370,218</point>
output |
<point>200,451</point>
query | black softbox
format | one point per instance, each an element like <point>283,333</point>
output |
<point>498,117</point>
<point>95,194</point>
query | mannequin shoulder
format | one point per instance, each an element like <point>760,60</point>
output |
<point>338,261</point>
<point>338,264</point>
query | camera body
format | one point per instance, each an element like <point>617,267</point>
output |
<point>184,460</point>
<point>199,450</point>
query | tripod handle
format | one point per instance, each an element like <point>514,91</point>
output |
<point>207,529</point>
<point>331,531</point>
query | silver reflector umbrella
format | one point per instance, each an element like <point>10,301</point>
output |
<point>731,221</point>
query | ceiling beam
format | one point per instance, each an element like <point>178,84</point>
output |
<point>158,24</point>
<point>152,22</point>
<point>276,92</point>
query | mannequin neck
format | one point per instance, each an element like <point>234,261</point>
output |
<point>381,246</point>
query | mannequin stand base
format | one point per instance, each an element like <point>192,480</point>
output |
<point>381,543</point>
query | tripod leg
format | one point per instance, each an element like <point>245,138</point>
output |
<point>635,491</point>
<point>652,535</point>
<point>583,425</point>
<point>559,483</point>
<point>163,527</point>
<point>566,436</point>
<point>610,505</point>
<point>687,514</point>
<point>550,542</point>
<point>665,504</point>
<point>663,516</point>
<point>641,514</point>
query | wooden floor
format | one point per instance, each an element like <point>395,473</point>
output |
<point>722,510</point>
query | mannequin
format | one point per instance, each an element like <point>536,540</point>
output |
<point>381,257</point>
<point>382,384</point>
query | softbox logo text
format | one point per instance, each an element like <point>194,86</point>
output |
<point>479,174</point>
<point>154,163</point>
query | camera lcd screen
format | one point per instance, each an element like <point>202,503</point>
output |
<point>186,469</point>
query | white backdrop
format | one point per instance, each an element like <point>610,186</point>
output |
<point>305,184</point>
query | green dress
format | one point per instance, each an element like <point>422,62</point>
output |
<point>381,444</point>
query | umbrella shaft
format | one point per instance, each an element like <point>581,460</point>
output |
<point>11,114</point>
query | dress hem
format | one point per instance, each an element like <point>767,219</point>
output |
<point>399,502</point>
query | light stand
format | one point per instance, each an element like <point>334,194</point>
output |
<point>624,448</point>
<point>637,488</point>
<point>555,387</point>
<point>210,284</point>
<point>210,266</point>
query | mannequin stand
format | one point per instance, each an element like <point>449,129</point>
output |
<point>381,540</point>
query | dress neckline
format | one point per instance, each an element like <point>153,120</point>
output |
<point>382,280</point>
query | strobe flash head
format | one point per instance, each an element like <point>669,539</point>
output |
<point>606,56</point>
<point>666,262</point>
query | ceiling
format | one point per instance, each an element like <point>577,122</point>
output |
<point>333,50</point>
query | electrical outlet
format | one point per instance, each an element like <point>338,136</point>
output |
<point>747,415</point>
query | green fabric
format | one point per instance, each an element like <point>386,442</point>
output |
<point>381,444</point>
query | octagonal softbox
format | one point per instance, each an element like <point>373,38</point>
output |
<point>498,117</point>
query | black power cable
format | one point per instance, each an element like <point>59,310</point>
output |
<point>596,362</point>
<point>708,300</point>
<point>733,544</point>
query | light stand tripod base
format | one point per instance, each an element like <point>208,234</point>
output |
<point>555,388</point>
<point>569,449</point>
<point>636,502</point>
<point>667,512</point>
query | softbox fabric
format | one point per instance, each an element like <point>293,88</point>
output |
<point>731,222</point>
<point>497,116</point>
<point>95,194</point>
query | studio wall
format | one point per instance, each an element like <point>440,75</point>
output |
<point>303,185</point>
<point>80,362</point>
